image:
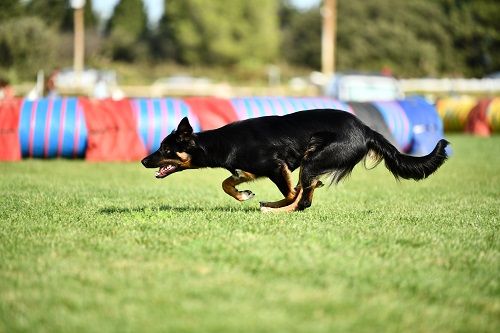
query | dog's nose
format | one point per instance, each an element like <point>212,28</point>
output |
<point>144,161</point>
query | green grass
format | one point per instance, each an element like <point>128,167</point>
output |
<point>108,248</point>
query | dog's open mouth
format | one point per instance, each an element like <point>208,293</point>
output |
<point>166,170</point>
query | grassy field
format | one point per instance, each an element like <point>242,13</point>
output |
<point>108,248</point>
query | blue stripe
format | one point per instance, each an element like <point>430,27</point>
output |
<point>157,124</point>
<point>281,101</point>
<point>143,115</point>
<point>248,107</point>
<point>271,105</point>
<point>54,127</point>
<point>261,108</point>
<point>172,121</point>
<point>39,133</point>
<point>294,104</point>
<point>24,127</point>
<point>69,128</point>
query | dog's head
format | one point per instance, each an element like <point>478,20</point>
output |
<point>174,152</point>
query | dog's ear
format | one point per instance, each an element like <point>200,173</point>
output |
<point>184,129</point>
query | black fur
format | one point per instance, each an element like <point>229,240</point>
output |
<point>319,142</point>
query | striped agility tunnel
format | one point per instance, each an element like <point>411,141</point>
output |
<point>52,128</point>
<point>478,116</point>
<point>158,117</point>
<point>251,107</point>
<point>397,121</point>
<point>125,130</point>
<point>426,127</point>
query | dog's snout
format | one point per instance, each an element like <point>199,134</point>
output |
<point>145,162</point>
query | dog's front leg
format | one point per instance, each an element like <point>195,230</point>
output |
<point>239,177</point>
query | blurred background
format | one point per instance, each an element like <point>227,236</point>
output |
<point>245,47</point>
<point>244,59</point>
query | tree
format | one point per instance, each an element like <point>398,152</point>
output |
<point>52,12</point>
<point>126,29</point>
<point>10,9</point>
<point>475,28</point>
<point>129,16</point>
<point>58,14</point>
<point>26,45</point>
<point>408,36</point>
<point>221,32</point>
<point>301,43</point>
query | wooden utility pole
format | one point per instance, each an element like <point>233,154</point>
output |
<point>79,38</point>
<point>328,36</point>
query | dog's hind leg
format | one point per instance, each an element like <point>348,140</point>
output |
<point>302,199</point>
<point>292,206</point>
<point>317,161</point>
<point>283,180</point>
<point>239,177</point>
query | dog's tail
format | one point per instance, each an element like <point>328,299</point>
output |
<point>406,166</point>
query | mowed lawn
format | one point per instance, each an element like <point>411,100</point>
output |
<point>88,247</point>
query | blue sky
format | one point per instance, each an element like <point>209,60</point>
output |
<point>155,7</point>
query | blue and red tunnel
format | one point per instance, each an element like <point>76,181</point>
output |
<point>127,130</point>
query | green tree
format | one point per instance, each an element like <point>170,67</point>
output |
<point>475,28</point>
<point>129,16</point>
<point>410,37</point>
<point>26,45</point>
<point>407,36</point>
<point>52,12</point>
<point>221,32</point>
<point>301,42</point>
<point>58,14</point>
<point>127,30</point>
<point>10,9</point>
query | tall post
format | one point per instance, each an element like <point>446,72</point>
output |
<point>328,36</point>
<point>79,37</point>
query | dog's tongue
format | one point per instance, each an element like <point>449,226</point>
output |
<point>165,171</point>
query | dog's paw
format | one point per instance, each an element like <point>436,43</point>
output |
<point>246,195</point>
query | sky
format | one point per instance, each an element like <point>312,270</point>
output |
<point>155,7</point>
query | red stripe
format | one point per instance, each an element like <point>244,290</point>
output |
<point>32,127</point>
<point>151,129</point>
<point>61,127</point>
<point>76,139</point>
<point>48,120</point>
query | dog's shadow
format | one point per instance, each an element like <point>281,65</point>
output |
<point>179,209</point>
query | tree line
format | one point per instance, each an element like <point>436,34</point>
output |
<point>411,38</point>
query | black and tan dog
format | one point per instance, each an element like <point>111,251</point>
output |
<point>319,142</point>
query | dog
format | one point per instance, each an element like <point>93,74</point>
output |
<point>319,142</point>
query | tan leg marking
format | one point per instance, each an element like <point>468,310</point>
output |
<point>288,208</point>
<point>309,192</point>
<point>292,193</point>
<point>292,206</point>
<point>229,185</point>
